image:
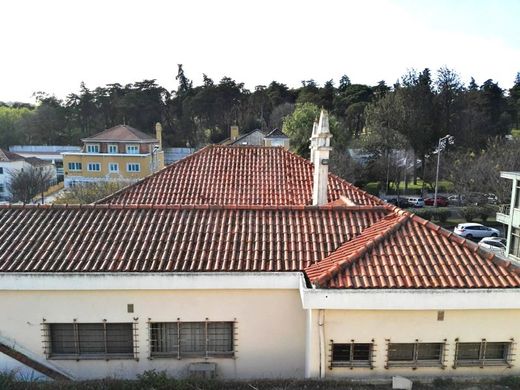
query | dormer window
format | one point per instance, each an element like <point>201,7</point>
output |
<point>112,148</point>
<point>92,148</point>
<point>132,149</point>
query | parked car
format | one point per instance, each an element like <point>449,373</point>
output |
<point>475,230</point>
<point>441,201</point>
<point>492,198</point>
<point>402,202</point>
<point>456,199</point>
<point>494,244</point>
<point>416,201</point>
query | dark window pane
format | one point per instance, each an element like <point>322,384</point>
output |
<point>91,339</point>
<point>164,338</point>
<point>62,339</point>
<point>120,338</point>
<point>429,351</point>
<point>361,352</point>
<point>401,352</point>
<point>468,351</point>
<point>496,351</point>
<point>220,337</point>
<point>193,340</point>
<point>340,352</point>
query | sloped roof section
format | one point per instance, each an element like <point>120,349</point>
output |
<point>174,238</point>
<point>405,251</point>
<point>276,133</point>
<point>248,175</point>
<point>121,133</point>
<point>6,156</point>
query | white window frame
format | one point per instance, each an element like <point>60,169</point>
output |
<point>129,169</point>
<point>91,164</point>
<point>78,349</point>
<point>130,149</point>
<point>110,146</point>
<point>92,148</point>
<point>111,165</point>
<point>74,166</point>
<point>174,339</point>
<point>417,360</point>
<point>482,360</point>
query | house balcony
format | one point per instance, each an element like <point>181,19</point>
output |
<point>504,214</point>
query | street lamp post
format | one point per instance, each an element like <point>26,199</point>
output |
<point>448,139</point>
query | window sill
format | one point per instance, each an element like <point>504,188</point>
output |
<point>93,357</point>
<point>194,356</point>
<point>476,363</point>
<point>351,365</point>
<point>414,364</point>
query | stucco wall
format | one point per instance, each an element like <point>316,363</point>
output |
<point>402,326</point>
<point>270,327</point>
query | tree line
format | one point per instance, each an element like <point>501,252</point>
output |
<point>419,106</point>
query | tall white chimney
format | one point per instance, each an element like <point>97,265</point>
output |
<point>320,150</point>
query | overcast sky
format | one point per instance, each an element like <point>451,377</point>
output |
<point>52,45</point>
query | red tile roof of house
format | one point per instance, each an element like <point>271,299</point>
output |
<point>174,238</point>
<point>121,133</point>
<point>246,175</point>
<point>405,251</point>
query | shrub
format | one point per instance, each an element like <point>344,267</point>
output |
<point>7,380</point>
<point>425,213</point>
<point>441,215</point>
<point>469,213</point>
<point>486,212</point>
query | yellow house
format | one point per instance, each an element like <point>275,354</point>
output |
<point>120,153</point>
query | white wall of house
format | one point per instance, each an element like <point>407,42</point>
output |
<point>270,326</point>
<point>381,327</point>
<point>9,167</point>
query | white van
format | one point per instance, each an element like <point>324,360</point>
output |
<point>416,201</point>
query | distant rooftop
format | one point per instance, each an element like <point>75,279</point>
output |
<point>121,133</point>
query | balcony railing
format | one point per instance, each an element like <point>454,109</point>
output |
<point>504,209</point>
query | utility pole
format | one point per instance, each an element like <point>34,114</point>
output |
<point>448,139</point>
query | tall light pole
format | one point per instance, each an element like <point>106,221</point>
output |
<point>448,139</point>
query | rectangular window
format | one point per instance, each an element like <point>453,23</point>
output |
<point>515,243</point>
<point>113,167</point>
<point>112,149</point>
<point>2,189</point>
<point>1,170</point>
<point>92,340</point>
<point>92,148</point>
<point>415,354</point>
<point>517,200</point>
<point>94,167</point>
<point>191,339</point>
<point>482,354</point>
<point>74,166</point>
<point>132,149</point>
<point>133,167</point>
<point>351,355</point>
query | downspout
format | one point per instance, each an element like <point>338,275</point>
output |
<point>308,344</point>
<point>321,326</point>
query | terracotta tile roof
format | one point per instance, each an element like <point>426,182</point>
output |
<point>405,251</point>
<point>246,175</point>
<point>121,133</point>
<point>174,238</point>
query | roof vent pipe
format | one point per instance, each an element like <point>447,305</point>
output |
<point>320,150</point>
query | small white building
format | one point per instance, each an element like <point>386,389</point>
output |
<point>10,163</point>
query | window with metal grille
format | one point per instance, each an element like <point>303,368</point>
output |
<point>483,353</point>
<point>351,355</point>
<point>415,354</point>
<point>91,340</point>
<point>191,339</point>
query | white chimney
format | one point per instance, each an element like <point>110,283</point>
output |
<point>320,149</point>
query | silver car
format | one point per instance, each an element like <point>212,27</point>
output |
<point>475,230</point>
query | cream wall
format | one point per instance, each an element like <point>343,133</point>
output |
<point>270,327</point>
<point>403,326</point>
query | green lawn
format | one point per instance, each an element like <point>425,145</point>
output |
<point>444,186</point>
<point>515,133</point>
